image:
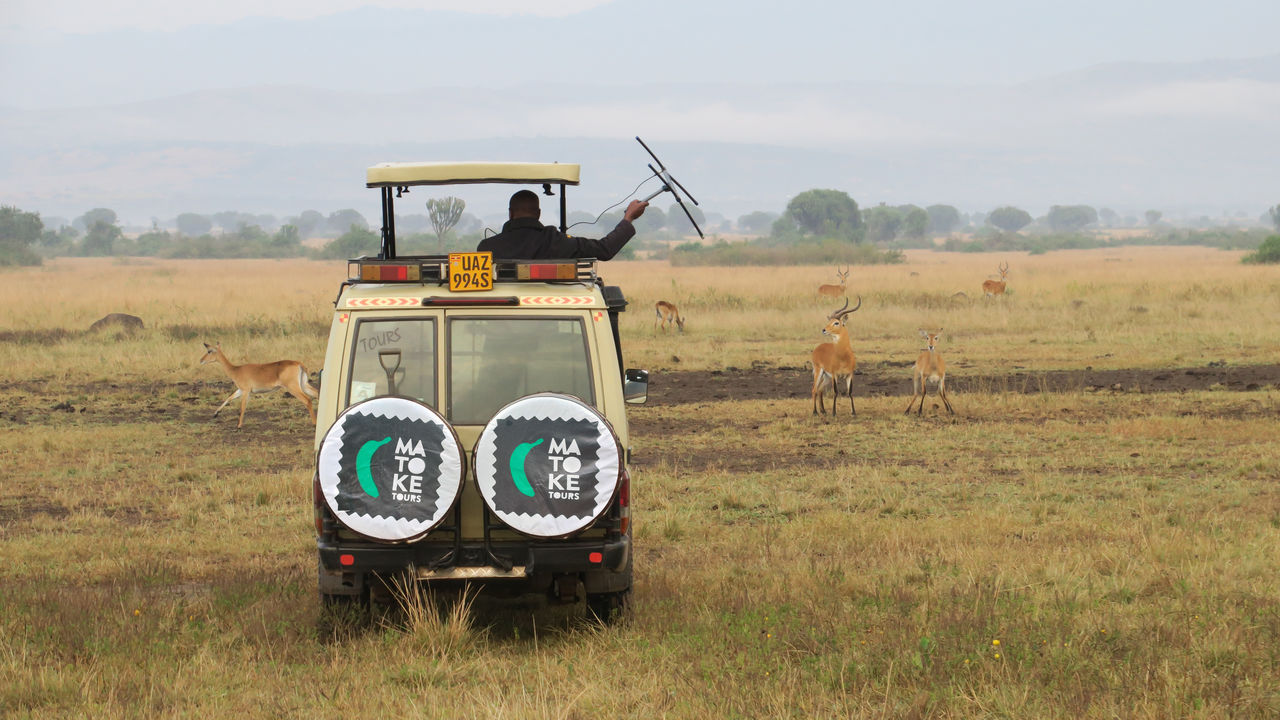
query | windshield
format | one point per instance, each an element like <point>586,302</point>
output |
<point>394,357</point>
<point>494,361</point>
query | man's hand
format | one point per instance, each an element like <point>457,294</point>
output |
<point>634,210</point>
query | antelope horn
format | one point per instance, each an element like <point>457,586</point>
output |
<point>842,312</point>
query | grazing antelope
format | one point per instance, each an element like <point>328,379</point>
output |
<point>835,290</point>
<point>996,287</point>
<point>254,379</point>
<point>668,314</point>
<point>833,361</point>
<point>929,367</point>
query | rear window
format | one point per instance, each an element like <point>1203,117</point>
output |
<point>394,357</point>
<point>494,361</point>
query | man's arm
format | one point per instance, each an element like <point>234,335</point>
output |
<point>609,245</point>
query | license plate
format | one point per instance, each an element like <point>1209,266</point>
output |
<point>470,271</point>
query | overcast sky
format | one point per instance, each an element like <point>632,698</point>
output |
<point>84,16</point>
<point>133,93</point>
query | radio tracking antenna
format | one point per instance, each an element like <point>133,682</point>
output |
<point>669,184</point>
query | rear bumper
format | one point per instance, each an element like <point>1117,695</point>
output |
<point>439,561</point>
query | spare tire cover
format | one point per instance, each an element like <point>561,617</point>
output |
<point>390,468</point>
<point>548,465</point>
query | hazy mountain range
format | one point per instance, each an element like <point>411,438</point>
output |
<point>262,117</point>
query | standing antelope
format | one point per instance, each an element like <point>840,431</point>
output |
<point>996,287</point>
<point>930,367</point>
<point>835,290</point>
<point>266,377</point>
<point>834,360</point>
<point>668,314</point>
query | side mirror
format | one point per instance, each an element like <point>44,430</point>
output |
<point>635,386</point>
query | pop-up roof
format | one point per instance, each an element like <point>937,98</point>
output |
<point>402,174</point>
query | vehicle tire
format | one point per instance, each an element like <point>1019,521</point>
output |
<point>609,608</point>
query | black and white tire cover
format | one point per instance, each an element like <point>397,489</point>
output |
<point>548,465</point>
<point>390,468</point>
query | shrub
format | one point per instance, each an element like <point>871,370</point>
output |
<point>1267,253</point>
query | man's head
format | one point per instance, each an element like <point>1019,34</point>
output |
<point>524,204</point>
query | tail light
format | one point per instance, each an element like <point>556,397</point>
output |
<point>624,501</point>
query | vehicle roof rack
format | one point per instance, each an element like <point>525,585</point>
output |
<point>434,269</point>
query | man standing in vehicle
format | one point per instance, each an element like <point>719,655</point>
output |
<point>524,237</point>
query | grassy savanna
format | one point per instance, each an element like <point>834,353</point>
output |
<point>1051,555</point>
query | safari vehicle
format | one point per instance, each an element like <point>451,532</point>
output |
<point>472,417</point>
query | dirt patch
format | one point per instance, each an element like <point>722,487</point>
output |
<point>765,383</point>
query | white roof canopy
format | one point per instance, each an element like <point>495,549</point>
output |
<point>396,174</point>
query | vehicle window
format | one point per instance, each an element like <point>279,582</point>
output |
<point>394,357</point>
<point>495,361</point>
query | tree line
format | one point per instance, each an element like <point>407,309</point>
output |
<point>818,225</point>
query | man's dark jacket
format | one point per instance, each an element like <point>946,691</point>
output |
<point>529,239</point>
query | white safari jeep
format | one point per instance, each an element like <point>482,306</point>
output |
<point>472,423</point>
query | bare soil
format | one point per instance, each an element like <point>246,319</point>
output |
<point>766,383</point>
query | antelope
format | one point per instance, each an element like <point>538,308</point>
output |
<point>996,287</point>
<point>252,379</point>
<point>834,290</point>
<point>668,314</point>
<point>834,360</point>
<point>929,367</point>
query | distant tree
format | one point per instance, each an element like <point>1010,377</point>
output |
<point>86,221</point>
<point>756,222</point>
<point>150,243</point>
<point>1267,253</point>
<point>1274,212</point>
<point>469,224</point>
<point>19,230</point>
<point>101,239</point>
<point>444,213</point>
<point>915,221</point>
<point>286,238</point>
<point>943,219</point>
<point>1071,218</point>
<point>678,222</point>
<point>1109,217</point>
<point>1009,218</point>
<point>193,225</point>
<point>231,220</point>
<point>883,222</point>
<point>826,212</point>
<point>341,221</point>
<point>308,222</point>
<point>1153,216</point>
<point>356,241</point>
<point>652,220</point>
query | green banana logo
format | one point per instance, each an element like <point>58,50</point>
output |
<point>363,458</point>
<point>516,465</point>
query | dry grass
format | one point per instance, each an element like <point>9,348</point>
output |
<point>1049,556</point>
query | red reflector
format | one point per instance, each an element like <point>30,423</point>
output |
<point>347,559</point>
<point>595,557</point>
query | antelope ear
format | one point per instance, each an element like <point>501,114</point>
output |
<point>924,333</point>
<point>206,346</point>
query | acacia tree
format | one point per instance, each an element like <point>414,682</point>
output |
<point>193,225</point>
<point>826,212</point>
<point>1009,218</point>
<point>445,212</point>
<point>1070,218</point>
<point>1153,216</point>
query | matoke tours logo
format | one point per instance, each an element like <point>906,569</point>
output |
<point>390,468</point>
<point>547,464</point>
